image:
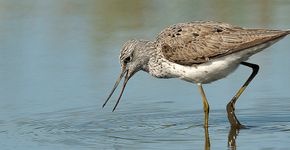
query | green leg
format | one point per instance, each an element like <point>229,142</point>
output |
<point>205,105</point>
<point>206,114</point>
<point>231,105</point>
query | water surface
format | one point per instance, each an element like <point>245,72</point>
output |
<point>59,60</point>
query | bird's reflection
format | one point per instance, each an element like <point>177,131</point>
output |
<point>206,139</point>
<point>232,136</point>
<point>233,133</point>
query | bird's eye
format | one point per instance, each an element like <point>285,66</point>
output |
<point>128,59</point>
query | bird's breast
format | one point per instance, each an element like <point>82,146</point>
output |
<point>202,73</point>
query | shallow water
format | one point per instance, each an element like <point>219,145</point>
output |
<point>59,61</point>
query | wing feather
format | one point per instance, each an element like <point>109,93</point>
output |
<point>198,42</point>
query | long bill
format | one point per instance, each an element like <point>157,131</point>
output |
<point>116,85</point>
<point>122,90</point>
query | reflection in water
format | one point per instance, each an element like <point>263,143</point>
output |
<point>232,137</point>
<point>158,129</point>
<point>59,55</point>
<point>206,139</point>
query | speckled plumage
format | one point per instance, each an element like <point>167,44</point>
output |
<point>202,52</point>
<point>199,52</point>
<point>198,42</point>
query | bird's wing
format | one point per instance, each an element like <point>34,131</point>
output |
<point>198,42</point>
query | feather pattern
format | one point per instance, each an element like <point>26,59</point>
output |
<point>198,42</point>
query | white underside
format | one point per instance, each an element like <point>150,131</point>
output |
<point>214,69</point>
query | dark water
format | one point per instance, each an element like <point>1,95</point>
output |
<point>59,60</point>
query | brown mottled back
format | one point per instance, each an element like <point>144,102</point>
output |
<point>198,42</point>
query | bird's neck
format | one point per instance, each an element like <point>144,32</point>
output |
<point>149,53</point>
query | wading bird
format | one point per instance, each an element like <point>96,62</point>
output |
<point>199,52</point>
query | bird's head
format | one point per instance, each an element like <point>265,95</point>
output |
<point>134,56</point>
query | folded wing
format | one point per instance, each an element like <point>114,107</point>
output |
<point>198,42</point>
